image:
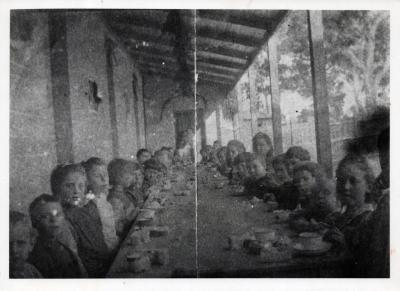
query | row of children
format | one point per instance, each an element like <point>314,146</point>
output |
<point>353,213</point>
<point>77,230</point>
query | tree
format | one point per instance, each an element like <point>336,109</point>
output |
<point>357,53</point>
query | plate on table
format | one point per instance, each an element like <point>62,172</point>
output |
<point>311,251</point>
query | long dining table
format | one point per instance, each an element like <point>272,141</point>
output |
<point>202,220</point>
<point>178,215</point>
<point>222,213</point>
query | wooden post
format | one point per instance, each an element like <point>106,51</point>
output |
<point>60,87</point>
<point>135,91</point>
<point>218,116</point>
<point>253,95</point>
<point>318,74</point>
<point>275,95</point>
<point>239,117</point>
<point>109,46</point>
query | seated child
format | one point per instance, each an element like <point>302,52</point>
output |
<point>281,173</point>
<point>136,187</point>
<point>294,155</point>
<point>66,183</point>
<point>98,184</point>
<point>50,256</point>
<point>221,161</point>
<point>261,181</point>
<point>262,148</point>
<point>379,224</point>
<point>22,239</point>
<point>233,148</point>
<point>153,175</point>
<point>206,154</point>
<point>124,203</point>
<point>163,156</point>
<point>142,156</point>
<point>216,145</point>
<point>313,194</point>
<point>240,166</point>
<point>354,181</point>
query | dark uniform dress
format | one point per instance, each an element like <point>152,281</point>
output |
<point>54,259</point>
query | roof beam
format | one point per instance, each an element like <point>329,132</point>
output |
<point>229,36</point>
<point>250,18</point>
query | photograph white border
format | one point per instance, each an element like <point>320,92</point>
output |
<point>201,284</point>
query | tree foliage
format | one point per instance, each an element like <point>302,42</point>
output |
<point>357,57</point>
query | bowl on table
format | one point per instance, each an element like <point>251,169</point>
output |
<point>281,215</point>
<point>311,243</point>
<point>138,261</point>
<point>142,222</point>
<point>153,205</point>
<point>146,214</point>
<point>139,238</point>
<point>265,234</point>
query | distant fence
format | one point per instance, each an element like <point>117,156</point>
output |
<point>294,133</point>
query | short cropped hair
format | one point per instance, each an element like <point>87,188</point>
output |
<point>316,170</point>
<point>40,200</point>
<point>298,152</point>
<point>237,144</point>
<point>93,161</point>
<point>60,172</point>
<point>153,164</point>
<point>141,151</point>
<point>117,167</point>
<point>279,160</point>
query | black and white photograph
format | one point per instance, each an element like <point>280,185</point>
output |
<point>199,143</point>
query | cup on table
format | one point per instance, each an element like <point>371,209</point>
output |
<point>138,262</point>
<point>264,235</point>
<point>310,240</point>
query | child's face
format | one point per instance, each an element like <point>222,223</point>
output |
<point>232,152</point>
<point>304,181</point>
<point>352,186</point>
<point>242,170</point>
<point>144,157</point>
<point>49,218</point>
<point>98,179</point>
<point>222,157</point>
<point>256,169</point>
<point>261,146</point>
<point>20,244</point>
<point>126,179</point>
<point>164,159</point>
<point>153,176</point>
<point>281,172</point>
<point>216,145</point>
<point>137,179</point>
<point>290,164</point>
<point>72,189</point>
